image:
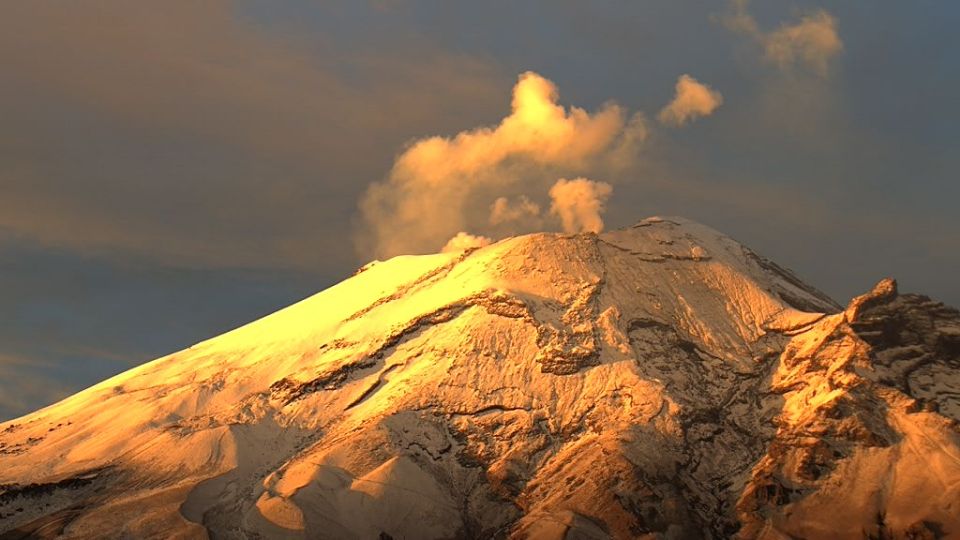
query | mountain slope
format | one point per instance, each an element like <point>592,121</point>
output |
<point>660,380</point>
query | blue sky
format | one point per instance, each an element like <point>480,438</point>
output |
<point>171,171</point>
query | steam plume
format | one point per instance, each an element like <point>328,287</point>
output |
<point>463,241</point>
<point>439,186</point>
<point>578,203</point>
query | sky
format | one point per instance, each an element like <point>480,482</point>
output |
<point>172,170</point>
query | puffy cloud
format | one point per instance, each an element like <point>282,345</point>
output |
<point>578,203</point>
<point>463,241</point>
<point>813,41</point>
<point>441,185</point>
<point>692,100</point>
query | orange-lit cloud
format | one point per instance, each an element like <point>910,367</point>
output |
<point>692,100</point>
<point>503,210</point>
<point>578,203</point>
<point>463,241</point>
<point>439,186</point>
<point>812,42</point>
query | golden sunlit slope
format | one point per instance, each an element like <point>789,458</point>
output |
<point>658,379</point>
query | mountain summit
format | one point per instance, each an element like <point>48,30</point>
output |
<point>661,381</point>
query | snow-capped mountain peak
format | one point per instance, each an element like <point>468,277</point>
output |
<point>661,379</point>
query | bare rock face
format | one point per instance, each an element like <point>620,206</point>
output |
<point>661,381</point>
<point>867,438</point>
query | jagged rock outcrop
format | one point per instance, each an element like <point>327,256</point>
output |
<point>868,443</point>
<point>661,381</point>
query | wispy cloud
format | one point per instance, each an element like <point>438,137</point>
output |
<point>504,210</point>
<point>812,42</point>
<point>187,133</point>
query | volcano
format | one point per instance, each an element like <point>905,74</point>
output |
<point>659,381</point>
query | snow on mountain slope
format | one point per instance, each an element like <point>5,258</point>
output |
<point>661,380</point>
